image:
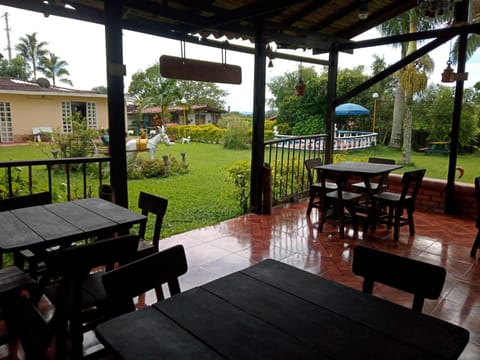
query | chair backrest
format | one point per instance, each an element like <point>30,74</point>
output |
<point>411,181</point>
<point>77,292</point>
<point>477,192</point>
<point>332,176</point>
<point>423,280</point>
<point>18,202</point>
<point>152,204</point>
<point>73,264</point>
<point>150,272</point>
<point>375,160</point>
<point>310,165</point>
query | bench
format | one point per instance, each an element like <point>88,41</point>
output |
<point>437,147</point>
<point>39,131</point>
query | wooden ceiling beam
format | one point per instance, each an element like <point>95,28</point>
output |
<point>422,35</point>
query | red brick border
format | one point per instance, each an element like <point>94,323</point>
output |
<point>431,196</point>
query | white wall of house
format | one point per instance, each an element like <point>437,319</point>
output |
<point>28,111</point>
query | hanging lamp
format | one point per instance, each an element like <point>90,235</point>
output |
<point>300,86</point>
<point>448,74</point>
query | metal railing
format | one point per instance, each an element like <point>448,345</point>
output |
<point>286,155</point>
<point>85,170</point>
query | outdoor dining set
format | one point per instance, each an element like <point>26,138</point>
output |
<point>89,259</point>
<point>361,189</point>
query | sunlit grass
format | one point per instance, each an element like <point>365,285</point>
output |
<point>203,196</point>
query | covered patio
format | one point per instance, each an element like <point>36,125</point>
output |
<point>291,237</point>
<point>326,27</point>
<point>287,234</point>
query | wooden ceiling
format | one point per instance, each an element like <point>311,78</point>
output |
<point>292,24</point>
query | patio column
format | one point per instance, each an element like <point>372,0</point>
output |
<point>331,95</point>
<point>258,120</point>
<point>116,101</point>
<point>461,15</point>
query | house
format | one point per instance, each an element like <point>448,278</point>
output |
<point>28,108</point>
<point>192,115</point>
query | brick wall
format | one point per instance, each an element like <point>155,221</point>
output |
<point>431,196</point>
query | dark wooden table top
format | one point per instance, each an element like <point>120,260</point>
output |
<point>361,168</point>
<point>53,224</point>
<point>275,311</point>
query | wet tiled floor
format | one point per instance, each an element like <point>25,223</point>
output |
<point>289,236</point>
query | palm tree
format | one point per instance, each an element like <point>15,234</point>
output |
<point>400,25</point>
<point>473,44</point>
<point>54,68</point>
<point>32,51</point>
<point>413,79</point>
<point>163,94</point>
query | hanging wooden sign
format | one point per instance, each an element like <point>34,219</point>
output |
<point>199,70</point>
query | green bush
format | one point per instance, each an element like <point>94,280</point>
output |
<point>143,168</point>
<point>20,184</point>
<point>237,134</point>
<point>78,143</point>
<point>239,175</point>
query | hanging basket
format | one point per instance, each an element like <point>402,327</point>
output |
<point>300,88</point>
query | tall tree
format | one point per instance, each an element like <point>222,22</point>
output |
<point>17,68</point>
<point>32,51</point>
<point>54,68</point>
<point>473,44</point>
<point>204,93</point>
<point>397,26</point>
<point>148,88</point>
<point>383,105</point>
<point>100,89</point>
<point>413,79</point>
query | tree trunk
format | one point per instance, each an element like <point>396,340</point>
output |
<point>398,115</point>
<point>407,132</point>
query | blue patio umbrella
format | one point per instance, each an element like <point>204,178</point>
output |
<point>351,109</point>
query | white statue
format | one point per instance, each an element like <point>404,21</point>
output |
<point>135,145</point>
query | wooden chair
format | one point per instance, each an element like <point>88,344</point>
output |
<point>13,281</point>
<point>150,272</point>
<point>476,243</point>
<point>337,200</point>
<point>396,203</point>
<point>423,280</point>
<point>34,259</point>
<point>374,185</point>
<point>156,205</point>
<point>314,185</point>
<point>77,292</point>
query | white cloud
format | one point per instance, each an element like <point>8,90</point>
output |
<point>82,45</point>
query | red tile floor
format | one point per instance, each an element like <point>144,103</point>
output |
<point>289,236</point>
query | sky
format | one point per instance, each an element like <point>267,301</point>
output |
<point>82,46</point>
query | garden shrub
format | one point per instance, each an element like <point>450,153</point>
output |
<point>78,143</point>
<point>239,175</point>
<point>20,185</point>
<point>286,177</point>
<point>142,168</point>
<point>237,134</point>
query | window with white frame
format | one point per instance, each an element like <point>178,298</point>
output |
<point>66,117</point>
<point>6,131</point>
<point>87,110</point>
<point>92,115</point>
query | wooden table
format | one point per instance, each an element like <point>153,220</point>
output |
<point>275,311</point>
<point>364,170</point>
<point>56,224</point>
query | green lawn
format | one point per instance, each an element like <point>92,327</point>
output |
<point>203,196</point>
<point>199,198</point>
<point>436,164</point>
